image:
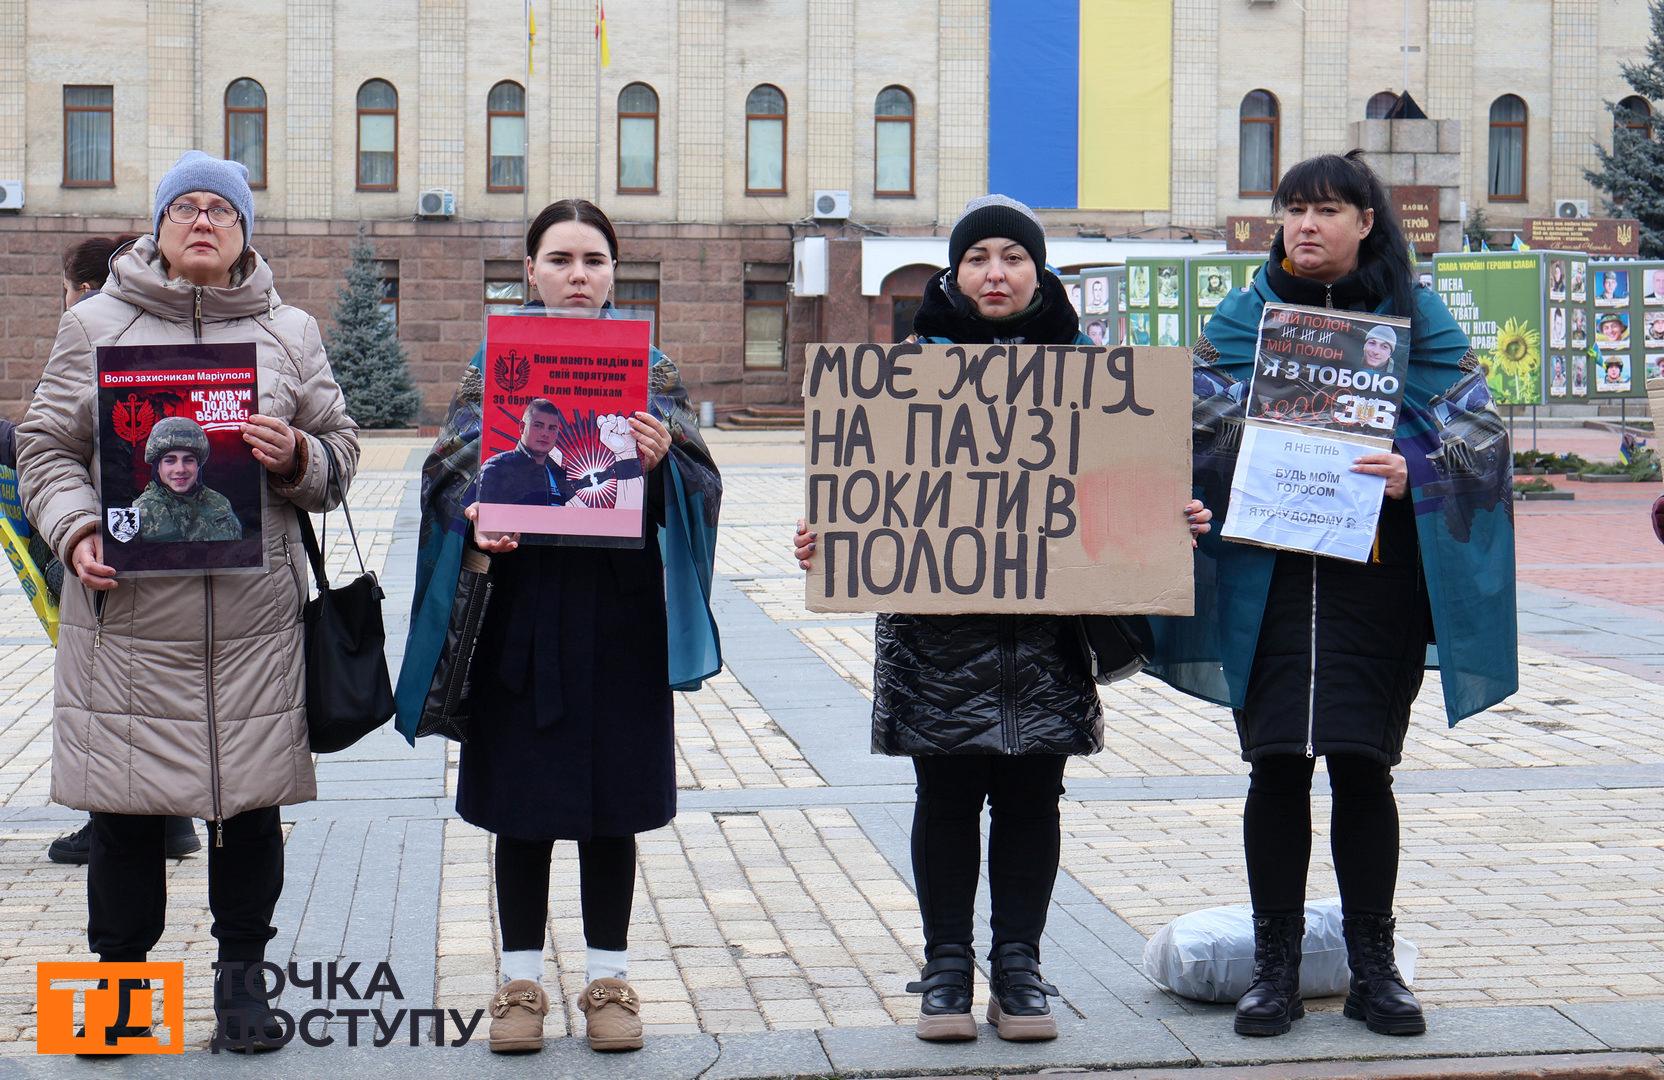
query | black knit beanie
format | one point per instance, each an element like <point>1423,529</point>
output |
<point>997,215</point>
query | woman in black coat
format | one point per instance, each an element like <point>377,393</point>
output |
<point>989,707</point>
<point>574,738</point>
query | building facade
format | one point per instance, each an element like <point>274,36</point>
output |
<point>715,125</point>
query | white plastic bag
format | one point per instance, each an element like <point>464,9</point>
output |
<point>1209,955</point>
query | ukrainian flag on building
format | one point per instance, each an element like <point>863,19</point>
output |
<point>1080,103</point>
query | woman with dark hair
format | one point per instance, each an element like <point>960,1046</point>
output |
<point>571,731</point>
<point>1322,657</point>
<point>989,707</point>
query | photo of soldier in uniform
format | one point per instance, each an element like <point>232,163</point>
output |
<point>1379,344</point>
<point>1579,288</point>
<point>1557,376</point>
<point>1213,284</point>
<point>176,506</point>
<point>1580,328</point>
<point>1613,330</point>
<point>1167,329</point>
<point>1654,336</point>
<point>1097,295</point>
<point>1138,288</point>
<point>1138,330</point>
<point>1557,328</point>
<point>1614,374</point>
<point>1580,375</point>
<point>1167,287</point>
<point>1611,288</point>
<point>1654,366</point>
<point>1557,279</point>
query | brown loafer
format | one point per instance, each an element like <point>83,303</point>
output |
<point>517,1012</point>
<point>611,1011</point>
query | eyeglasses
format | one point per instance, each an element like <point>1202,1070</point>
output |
<point>220,217</point>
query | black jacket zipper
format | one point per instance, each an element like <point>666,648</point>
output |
<point>1011,736</point>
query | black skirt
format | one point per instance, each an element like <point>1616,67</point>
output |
<point>1347,687</point>
<point>574,731</point>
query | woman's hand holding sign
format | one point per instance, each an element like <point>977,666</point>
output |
<point>1390,466</point>
<point>272,442</point>
<point>490,543</point>
<point>1198,516</point>
<point>652,439</point>
<point>87,560</point>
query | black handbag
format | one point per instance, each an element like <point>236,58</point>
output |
<point>1116,646</point>
<point>447,710</point>
<point>348,693</point>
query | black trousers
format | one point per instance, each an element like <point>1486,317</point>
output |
<point>1363,834</point>
<point>1023,840</point>
<point>606,890</point>
<point>127,893</point>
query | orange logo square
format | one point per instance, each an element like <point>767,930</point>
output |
<point>114,1016</point>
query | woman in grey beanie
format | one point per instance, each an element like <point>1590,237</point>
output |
<point>989,707</point>
<point>184,696</point>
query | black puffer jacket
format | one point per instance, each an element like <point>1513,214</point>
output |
<point>985,684</point>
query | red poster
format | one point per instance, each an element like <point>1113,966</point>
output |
<point>558,455</point>
<point>180,491</point>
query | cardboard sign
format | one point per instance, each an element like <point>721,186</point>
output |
<point>180,491</point>
<point>558,459</point>
<point>1327,389</point>
<point>1031,479</point>
<point>1594,236</point>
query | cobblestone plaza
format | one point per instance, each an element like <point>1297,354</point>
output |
<point>776,924</point>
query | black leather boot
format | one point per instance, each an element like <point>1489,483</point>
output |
<point>945,982</point>
<point>1017,1005</point>
<point>1273,1003</point>
<point>244,1022</point>
<point>1378,995</point>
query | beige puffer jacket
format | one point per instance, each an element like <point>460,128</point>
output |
<point>186,695</point>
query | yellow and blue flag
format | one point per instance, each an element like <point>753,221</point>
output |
<point>1080,102</point>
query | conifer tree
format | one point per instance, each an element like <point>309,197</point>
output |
<point>1632,173</point>
<point>364,349</point>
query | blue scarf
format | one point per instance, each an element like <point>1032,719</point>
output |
<point>1460,473</point>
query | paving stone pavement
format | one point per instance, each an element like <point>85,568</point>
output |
<point>775,922</point>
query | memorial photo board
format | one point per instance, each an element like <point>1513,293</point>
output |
<point>559,460</point>
<point>998,478</point>
<point>1528,315</point>
<point>1627,330</point>
<point>179,490</point>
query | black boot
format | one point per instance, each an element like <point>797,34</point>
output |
<point>945,982</point>
<point>180,837</point>
<point>1378,995</point>
<point>245,1022</point>
<point>1272,1003</point>
<point>1017,1005</point>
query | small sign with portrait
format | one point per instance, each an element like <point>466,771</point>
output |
<point>180,492</point>
<point>559,460</point>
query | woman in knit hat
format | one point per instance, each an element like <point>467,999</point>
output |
<point>989,707</point>
<point>185,697</point>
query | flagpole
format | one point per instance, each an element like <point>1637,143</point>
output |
<point>599,30</point>
<point>526,148</point>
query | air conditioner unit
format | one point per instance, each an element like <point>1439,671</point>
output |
<point>11,194</point>
<point>1571,208</point>
<point>832,205</point>
<point>809,266</point>
<point>436,203</point>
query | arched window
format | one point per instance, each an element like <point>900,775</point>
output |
<point>1257,144</point>
<point>638,140</point>
<point>1505,177</point>
<point>1634,114</point>
<point>1379,105</point>
<point>892,142</point>
<point>505,137</point>
<point>378,136</point>
<point>765,141</point>
<point>245,128</point>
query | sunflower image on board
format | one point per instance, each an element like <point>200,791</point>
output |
<point>1513,369</point>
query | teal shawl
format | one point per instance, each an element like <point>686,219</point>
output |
<point>1460,472</point>
<point>687,541</point>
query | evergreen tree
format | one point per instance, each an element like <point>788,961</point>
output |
<point>1478,228</point>
<point>1632,174</point>
<point>364,349</point>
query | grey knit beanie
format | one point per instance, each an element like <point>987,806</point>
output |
<point>997,215</point>
<point>196,171</point>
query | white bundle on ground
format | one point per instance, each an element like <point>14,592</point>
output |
<point>1209,955</point>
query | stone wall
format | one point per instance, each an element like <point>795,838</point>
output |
<point>1426,153</point>
<point>441,269</point>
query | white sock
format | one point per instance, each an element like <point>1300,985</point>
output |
<point>522,964</point>
<point>605,964</point>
